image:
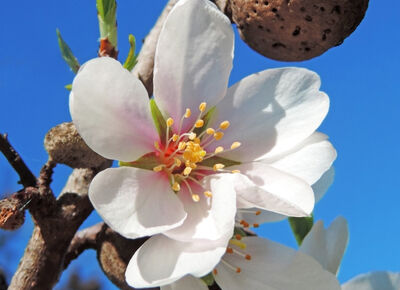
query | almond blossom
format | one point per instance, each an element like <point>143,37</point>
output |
<point>197,150</point>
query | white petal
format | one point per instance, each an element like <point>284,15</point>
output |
<point>186,283</point>
<point>327,246</point>
<point>210,218</point>
<point>193,58</point>
<point>310,161</point>
<point>374,281</point>
<point>264,216</point>
<point>265,187</point>
<point>271,112</point>
<point>161,261</point>
<point>136,202</point>
<point>323,184</point>
<point>110,108</point>
<point>273,267</point>
<point>247,214</point>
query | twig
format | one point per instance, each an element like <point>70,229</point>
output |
<point>26,176</point>
<point>83,240</point>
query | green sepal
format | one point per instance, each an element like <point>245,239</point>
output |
<point>209,162</point>
<point>131,60</point>
<point>68,87</point>
<point>301,227</point>
<point>67,54</point>
<point>159,120</point>
<point>147,161</point>
<point>208,279</point>
<point>107,15</point>
<point>206,118</point>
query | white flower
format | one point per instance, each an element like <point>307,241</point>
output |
<point>254,263</point>
<point>371,281</point>
<point>177,183</point>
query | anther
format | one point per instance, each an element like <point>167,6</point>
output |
<point>238,237</point>
<point>175,137</point>
<point>187,171</point>
<point>235,145</point>
<point>235,171</point>
<point>192,136</point>
<point>208,193</point>
<point>229,250</point>
<point>202,107</point>
<point>256,225</point>
<point>188,113</point>
<point>238,270</point>
<point>218,166</point>
<point>176,186</point>
<point>158,168</point>
<point>248,257</point>
<point>197,140</point>
<point>195,197</point>
<point>258,212</point>
<point>224,125</point>
<point>178,162</point>
<point>199,123</point>
<point>210,131</point>
<point>170,122</point>
<point>181,145</point>
<point>219,149</point>
<point>215,272</point>
<point>218,135</point>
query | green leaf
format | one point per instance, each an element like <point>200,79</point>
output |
<point>131,60</point>
<point>67,54</point>
<point>147,161</point>
<point>206,118</point>
<point>208,279</point>
<point>300,227</point>
<point>159,120</point>
<point>209,162</point>
<point>107,15</point>
<point>68,87</point>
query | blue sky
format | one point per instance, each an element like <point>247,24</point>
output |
<point>360,77</point>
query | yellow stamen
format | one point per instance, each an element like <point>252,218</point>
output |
<point>199,123</point>
<point>235,171</point>
<point>218,135</point>
<point>218,166</point>
<point>170,122</point>
<point>195,197</point>
<point>235,145</point>
<point>181,146</point>
<point>210,131</point>
<point>224,125</point>
<point>175,137</point>
<point>188,113</point>
<point>208,193</point>
<point>240,244</point>
<point>178,162</point>
<point>197,140</point>
<point>219,149</point>
<point>176,186</point>
<point>158,168</point>
<point>187,171</point>
<point>192,136</point>
<point>202,107</point>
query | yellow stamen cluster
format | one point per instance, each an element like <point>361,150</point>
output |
<point>182,153</point>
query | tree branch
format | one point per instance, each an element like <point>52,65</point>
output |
<point>26,176</point>
<point>83,240</point>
